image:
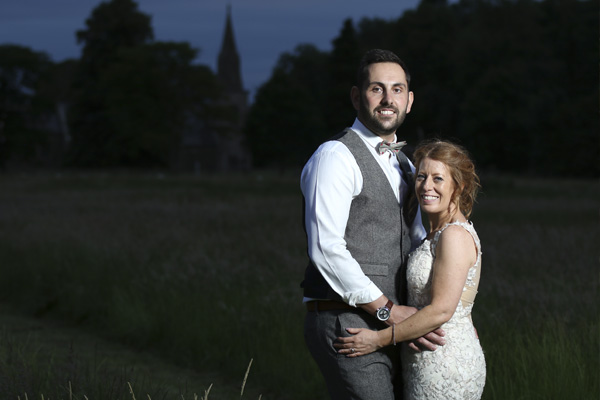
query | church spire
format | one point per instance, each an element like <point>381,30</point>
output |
<point>228,68</point>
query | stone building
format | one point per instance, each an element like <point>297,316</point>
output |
<point>220,145</point>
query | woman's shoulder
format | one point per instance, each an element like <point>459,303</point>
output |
<point>456,237</point>
<point>456,232</point>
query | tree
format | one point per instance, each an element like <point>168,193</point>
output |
<point>286,122</point>
<point>134,96</point>
<point>22,72</point>
<point>516,82</point>
<point>113,27</point>
<point>569,122</point>
<point>149,92</point>
<point>344,59</point>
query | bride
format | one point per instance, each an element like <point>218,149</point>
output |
<point>442,276</point>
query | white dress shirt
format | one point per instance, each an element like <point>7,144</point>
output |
<point>330,180</point>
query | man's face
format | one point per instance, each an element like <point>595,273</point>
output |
<point>383,102</point>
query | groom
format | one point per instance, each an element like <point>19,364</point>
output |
<point>360,228</point>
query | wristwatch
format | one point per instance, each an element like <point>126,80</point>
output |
<point>383,313</point>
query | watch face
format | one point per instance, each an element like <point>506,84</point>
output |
<point>383,313</point>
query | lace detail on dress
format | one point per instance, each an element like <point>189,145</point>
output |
<point>457,369</point>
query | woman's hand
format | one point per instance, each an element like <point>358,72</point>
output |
<point>363,341</point>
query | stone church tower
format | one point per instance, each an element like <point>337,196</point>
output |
<point>228,67</point>
<point>230,77</point>
<point>220,145</point>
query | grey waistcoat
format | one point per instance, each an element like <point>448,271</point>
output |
<point>376,234</point>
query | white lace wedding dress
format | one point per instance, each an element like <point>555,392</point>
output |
<point>457,369</point>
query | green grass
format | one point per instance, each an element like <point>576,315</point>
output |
<point>40,358</point>
<point>203,273</point>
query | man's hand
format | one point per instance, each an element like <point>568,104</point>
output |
<point>430,342</point>
<point>400,313</point>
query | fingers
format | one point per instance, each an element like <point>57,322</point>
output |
<point>351,352</point>
<point>353,331</point>
<point>344,340</point>
<point>349,339</point>
<point>430,342</point>
<point>435,338</point>
<point>343,343</point>
<point>425,344</point>
<point>347,346</point>
<point>414,347</point>
<point>439,332</point>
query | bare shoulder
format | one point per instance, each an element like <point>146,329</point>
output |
<point>455,232</point>
<point>456,240</point>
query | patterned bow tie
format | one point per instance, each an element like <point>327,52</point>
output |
<point>393,147</point>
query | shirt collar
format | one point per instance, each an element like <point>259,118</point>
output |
<point>369,137</point>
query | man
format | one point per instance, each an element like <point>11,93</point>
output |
<point>360,228</point>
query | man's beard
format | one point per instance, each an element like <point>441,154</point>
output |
<point>380,127</point>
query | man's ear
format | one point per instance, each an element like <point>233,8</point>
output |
<point>411,98</point>
<point>355,97</point>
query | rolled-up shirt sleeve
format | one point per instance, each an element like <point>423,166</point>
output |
<point>329,182</point>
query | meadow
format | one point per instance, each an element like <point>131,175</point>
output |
<point>177,282</point>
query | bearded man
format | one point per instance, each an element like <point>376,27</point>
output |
<point>360,226</point>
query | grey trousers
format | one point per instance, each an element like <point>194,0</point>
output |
<point>375,376</point>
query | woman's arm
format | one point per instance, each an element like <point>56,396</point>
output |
<point>455,255</point>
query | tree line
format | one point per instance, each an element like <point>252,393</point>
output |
<point>127,99</point>
<point>515,81</point>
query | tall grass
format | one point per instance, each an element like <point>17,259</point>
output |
<point>204,272</point>
<point>51,361</point>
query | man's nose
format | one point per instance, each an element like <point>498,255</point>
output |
<point>387,97</point>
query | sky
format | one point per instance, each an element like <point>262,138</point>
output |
<point>264,29</point>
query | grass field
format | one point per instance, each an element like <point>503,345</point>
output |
<point>177,282</point>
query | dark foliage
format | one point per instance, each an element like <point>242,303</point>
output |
<point>22,74</point>
<point>287,117</point>
<point>133,95</point>
<point>514,81</point>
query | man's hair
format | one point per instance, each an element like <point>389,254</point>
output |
<point>375,56</point>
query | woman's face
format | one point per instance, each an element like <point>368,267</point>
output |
<point>434,187</point>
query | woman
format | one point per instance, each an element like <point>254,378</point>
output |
<point>442,276</point>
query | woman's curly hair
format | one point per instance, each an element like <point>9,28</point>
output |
<point>461,167</point>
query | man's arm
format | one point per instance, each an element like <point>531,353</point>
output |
<point>455,254</point>
<point>398,313</point>
<point>330,180</point>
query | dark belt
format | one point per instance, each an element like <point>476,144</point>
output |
<point>329,305</point>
